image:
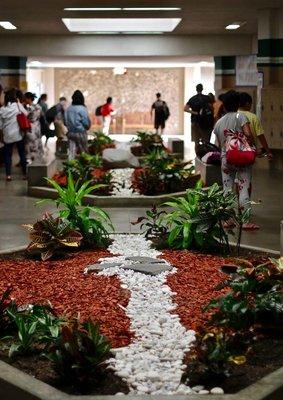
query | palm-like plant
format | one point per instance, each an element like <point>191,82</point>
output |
<point>50,235</point>
<point>93,229</point>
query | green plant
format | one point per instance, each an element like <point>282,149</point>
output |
<point>198,218</point>
<point>79,351</point>
<point>5,304</point>
<point>50,235</point>
<point>93,230</point>
<point>255,297</point>
<point>82,166</point>
<point>152,225</point>
<point>148,141</point>
<point>214,352</point>
<point>100,142</point>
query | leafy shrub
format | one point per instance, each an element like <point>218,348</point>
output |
<point>79,351</point>
<point>148,142</point>
<point>100,142</point>
<point>82,166</point>
<point>255,297</point>
<point>147,182</point>
<point>152,225</point>
<point>214,352</point>
<point>93,230</point>
<point>50,235</point>
<point>5,304</point>
<point>34,324</point>
<point>197,219</point>
<point>100,176</point>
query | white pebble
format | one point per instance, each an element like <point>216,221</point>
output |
<point>217,390</point>
<point>197,388</point>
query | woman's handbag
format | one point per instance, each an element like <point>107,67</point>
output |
<point>23,121</point>
<point>238,150</point>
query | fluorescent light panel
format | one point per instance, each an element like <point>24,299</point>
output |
<point>7,25</point>
<point>126,25</point>
<point>234,25</point>
<point>122,9</point>
<point>93,9</point>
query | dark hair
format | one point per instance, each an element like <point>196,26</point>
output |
<point>231,101</point>
<point>20,95</point>
<point>199,87</point>
<point>109,100</point>
<point>158,95</point>
<point>212,97</point>
<point>244,99</point>
<point>10,97</point>
<point>42,97</point>
<point>29,95</point>
<point>221,96</point>
<point>62,98</point>
<point>78,98</point>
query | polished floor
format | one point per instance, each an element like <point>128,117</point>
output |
<point>17,209</point>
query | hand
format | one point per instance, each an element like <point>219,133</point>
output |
<point>269,155</point>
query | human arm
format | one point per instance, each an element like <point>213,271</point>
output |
<point>188,109</point>
<point>264,144</point>
<point>85,119</point>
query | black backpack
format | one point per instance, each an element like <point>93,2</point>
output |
<point>166,111</point>
<point>98,111</point>
<point>51,114</point>
<point>206,117</point>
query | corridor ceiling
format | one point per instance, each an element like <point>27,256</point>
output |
<point>198,16</point>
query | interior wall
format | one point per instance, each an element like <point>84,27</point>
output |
<point>133,94</point>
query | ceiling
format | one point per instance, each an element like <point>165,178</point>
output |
<point>198,16</point>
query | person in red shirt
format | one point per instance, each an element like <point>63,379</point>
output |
<point>107,111</point>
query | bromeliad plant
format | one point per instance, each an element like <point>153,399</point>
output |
<point>79,351</point>
<point>255,298</point>
<point>51,235</point>
<point>147,142</point>
<point>100,142</point>
<point>198,219</point>
<point>92,222</point>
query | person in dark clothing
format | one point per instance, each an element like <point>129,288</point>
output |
<point>201,109</point>
<point>161,113</point>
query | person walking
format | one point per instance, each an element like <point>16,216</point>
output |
<point>245,106</point>
<point>12,134</point>
<point>231,174</point>
<point>78,123</point>
<point>202,119</point>
<point>107,111</point>
<point>34,148</point>
<point>42,101</point>
<point>161,113</point>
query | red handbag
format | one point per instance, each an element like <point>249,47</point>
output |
<point>23,121</point>
<point>238,150</point>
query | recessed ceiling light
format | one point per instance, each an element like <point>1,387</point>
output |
<point>151,8</point>
<point>234,25</point>
<point>93,25</point>
<point>35,63</point>
<point>93,9</point>
<point>7,25</point>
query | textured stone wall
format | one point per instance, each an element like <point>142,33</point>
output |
<point>133,94</point>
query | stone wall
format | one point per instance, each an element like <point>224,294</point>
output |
<point>133,94</point>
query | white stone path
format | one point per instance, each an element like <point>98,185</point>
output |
<point>153,362</point>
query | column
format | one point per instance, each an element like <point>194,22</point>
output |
<point>270,46</point>
<point>13,72</point>
<point>225,73</point>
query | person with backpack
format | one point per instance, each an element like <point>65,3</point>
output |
<point>234,137</point>
<point>202,119</point>
<point>161,113</point>
<point>107,111</point>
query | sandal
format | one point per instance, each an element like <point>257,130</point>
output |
<point>250,227</point>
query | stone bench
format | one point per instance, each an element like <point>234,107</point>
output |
<point>38,171</point>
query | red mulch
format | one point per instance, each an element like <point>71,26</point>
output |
<point>63,283</point>
<point>194,283</point>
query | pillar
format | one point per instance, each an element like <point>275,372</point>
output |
<point>270,46</point>
<point>225,73</point>
<point>13,72</point>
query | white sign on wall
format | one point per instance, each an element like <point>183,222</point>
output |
<point>246,71</point>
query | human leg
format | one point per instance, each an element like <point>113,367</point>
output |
<point>72,149</point>
<point>228,175</point>
<point>22,155</point>
<point>106,124</point>
<point>8,151</point>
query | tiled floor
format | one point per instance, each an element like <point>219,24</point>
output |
<point>16,209</point>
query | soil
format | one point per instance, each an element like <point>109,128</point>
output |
<point>266,357</point>
<point>105,383</point>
